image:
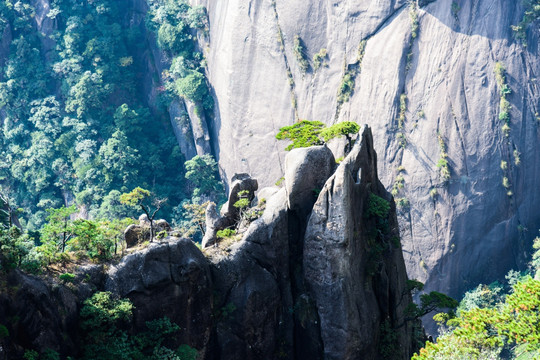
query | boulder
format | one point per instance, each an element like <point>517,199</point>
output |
<point>239,182</point>
<point>136,234</point>
<point>230,215</point>
<point>306,171</point>
<point>143,220</point>
<point>214,223</point>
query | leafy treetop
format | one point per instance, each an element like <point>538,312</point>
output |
<point>308,133</point>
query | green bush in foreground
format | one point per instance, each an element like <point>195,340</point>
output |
<point>105,321</point>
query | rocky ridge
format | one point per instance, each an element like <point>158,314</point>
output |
<point>316,275</point>
<point>421,76</point>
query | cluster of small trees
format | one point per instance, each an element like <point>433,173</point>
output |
<point>491,321</point>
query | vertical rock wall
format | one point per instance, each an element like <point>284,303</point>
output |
<point>412,91</point>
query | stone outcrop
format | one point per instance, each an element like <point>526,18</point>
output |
<point>353,263</point>
<point>137,234</point>
<point>469,230</point>
<point>230,214</point>
<point>315,277</point>
<point>303,283</point>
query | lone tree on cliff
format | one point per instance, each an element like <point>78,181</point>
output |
<point>309,133</point>
<point>143,198</point>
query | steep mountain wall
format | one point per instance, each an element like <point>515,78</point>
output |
<point>425,83</point>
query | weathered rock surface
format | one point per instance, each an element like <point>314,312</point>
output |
<point>137,234</point>
<point>230,214</point>
<point>168,279</point>
<point>36,315</point>
<point>346,277</point>
<point>321,296</point>
<point>299,284</point>
<point>471,231</point>
<point>306,171</point>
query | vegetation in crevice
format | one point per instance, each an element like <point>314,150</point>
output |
<point>504,117</point>
<point>442,164</point>
<point>319,59</point>
<point>281,41</point>
<point>300,53</point>
<point>455,8</point>
<point>401,137</point>
<point>350,72</point>
<point>531,15</point>
<point>377,210</point>
<point>174,24</point>
<point>413,16</point>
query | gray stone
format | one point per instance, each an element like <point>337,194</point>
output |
<point>306,171</point>
<point>230,214</point>
<point>469,233</point>
<point>354,289</point>
<point>136,234</point>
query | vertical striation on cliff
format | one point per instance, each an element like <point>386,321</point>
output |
<point>423,77</point>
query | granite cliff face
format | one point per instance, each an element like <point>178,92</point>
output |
<point>317,276</point>
<point>423,79</point>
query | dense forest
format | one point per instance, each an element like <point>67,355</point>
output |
<point>76,128</point>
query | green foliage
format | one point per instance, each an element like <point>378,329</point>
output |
<point>403,203</point>
<point>67,277</point>
<point>345,128</point>
<point>442,164</point>
<point>402,110</point>
<point>74,115</point>
<point>300,53</point>
<point>242,203</point>
<point>31,355</point>
<point>105,321</point>
<point>308,133</point>
<point>201,171</point>
<point>175,22</point>
<point>377,206</point>
<point>414,286</point>
<point>318,59</point>
<point>135,198</point>
<point>191,219</point>
<point>535,262</point>
<point>302,134</point>
<point>413,16</point>
<point>530,16</point>
<point>388,344</point>
<point>101,313</point>
<point>4,333</point>
<point>455,10</point>
<point>16,250</point>
<point>402,140</point>
<point>50,354</point>
<point>489,321</point>
<point>346,87</point>
<point>193,87</point>
<point>225,233</point>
